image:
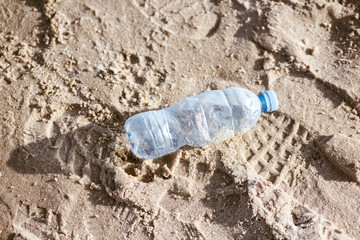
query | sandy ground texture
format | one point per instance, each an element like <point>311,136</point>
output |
<point>72,72</point>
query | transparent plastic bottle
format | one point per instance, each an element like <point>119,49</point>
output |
<point>207,118</point>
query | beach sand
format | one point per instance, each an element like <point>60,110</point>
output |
<point>72,72</point>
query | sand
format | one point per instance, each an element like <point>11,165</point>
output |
<point>72,72</point>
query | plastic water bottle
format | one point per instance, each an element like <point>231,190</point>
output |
<point>209,117</point>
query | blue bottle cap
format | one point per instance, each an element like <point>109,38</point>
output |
<point>269,101</point>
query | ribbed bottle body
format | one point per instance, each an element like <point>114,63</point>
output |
<point>207,118</point>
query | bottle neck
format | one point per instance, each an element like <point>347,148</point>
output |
<point>269,101</point>
<point>263,103</point>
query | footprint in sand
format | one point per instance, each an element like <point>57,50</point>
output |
<point>63,142</point>
<point>192,19</point>
<point>272,147</point>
